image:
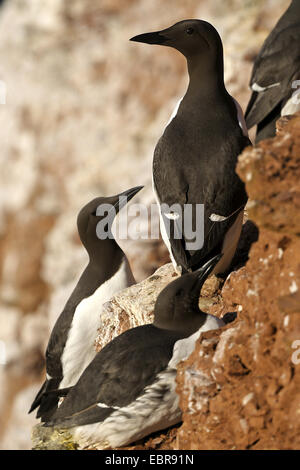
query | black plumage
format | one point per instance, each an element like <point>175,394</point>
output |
<point>195,164</point>
<point>275,69</point>
<point>117,376</point>
<point>194,160</point>
<point>105,258</point>
<point>131,381</point>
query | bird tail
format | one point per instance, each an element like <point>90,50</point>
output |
<point>37,401</point>
<point>250,105</point>
<point>47,399</point>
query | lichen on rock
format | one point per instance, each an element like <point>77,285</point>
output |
<point>44,438</point>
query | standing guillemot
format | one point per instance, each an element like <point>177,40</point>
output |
<point>194,160</point>
<point>129,389</point>
<point>275,73</point>
<point>71,345</point>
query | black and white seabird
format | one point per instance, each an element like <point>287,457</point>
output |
<point>71,345</point>
<point>128,391</point>
<point>195,159</point>
<point>275,74</point>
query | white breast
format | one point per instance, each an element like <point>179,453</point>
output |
<point>175,111</point>
<point>241,119</point>
<point>184,347</point>
<point>229,245</point>
<point>292,106</point>
<point>163,230</point>
<point>79,349</point>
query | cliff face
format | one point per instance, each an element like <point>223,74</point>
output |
<point>84,109</point>
<point>240,388</point>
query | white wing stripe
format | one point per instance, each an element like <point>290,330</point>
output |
<point>258,88</point>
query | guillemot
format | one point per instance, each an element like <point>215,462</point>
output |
<point>129,389</point>
<point>194,160</point>
<point>275,77</point>
<point>71,345</point>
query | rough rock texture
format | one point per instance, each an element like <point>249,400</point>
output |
<point>240,389</point>
<point>84,109</point>
<point>130,308</point>
<point>272,174</point>
<point>133,307</point>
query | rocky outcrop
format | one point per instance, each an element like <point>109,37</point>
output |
<point>135,306</point>
<point>84,109</point>
<point>240,387</point>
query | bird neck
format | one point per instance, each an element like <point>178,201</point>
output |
<point>103,254</point>
<point>294,5</point>
<point>291,15</point>
<point>105,262</point>
<point>206,79</point>
<point>185,325</point>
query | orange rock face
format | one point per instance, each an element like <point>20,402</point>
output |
<point>272,171</point>
<point>240,389</point>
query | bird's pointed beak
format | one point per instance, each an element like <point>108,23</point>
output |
<point>126,196</point>
<point>207,268</point>
<point>157,37</point>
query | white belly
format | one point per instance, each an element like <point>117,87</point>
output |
<point>163,229</point>
<point>158,408</point>
<point>229,246</point>
<point>292,106</point>
<point>240,118</point>
<point>232,237</point>
<point>80,348</point>
<point>183,348</point>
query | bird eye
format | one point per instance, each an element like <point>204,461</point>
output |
<point>190,30</point>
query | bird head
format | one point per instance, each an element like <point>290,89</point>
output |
<point>190,37</point>
<point>95,219</point>
<point>177,306</point>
